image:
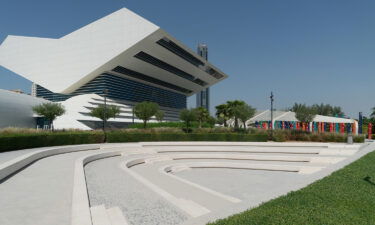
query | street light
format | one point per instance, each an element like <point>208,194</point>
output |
<point>271,97</point>
<point>105,93</point>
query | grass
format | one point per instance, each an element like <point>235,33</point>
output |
<point>343,198</point>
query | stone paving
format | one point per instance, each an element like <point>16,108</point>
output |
<point>168,183</point>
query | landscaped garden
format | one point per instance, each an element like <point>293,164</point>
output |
<point>345,197</point>
<point>196,125</point>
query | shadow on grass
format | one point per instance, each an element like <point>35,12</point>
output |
<point>368,180</point>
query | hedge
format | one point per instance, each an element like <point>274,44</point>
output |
<point>11,142</point>
<point>118,136</point>
<point>23,141</point>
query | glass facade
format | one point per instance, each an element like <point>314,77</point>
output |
<point>165,66</point>
<point>134,74</point>
<point>123,89</point>
<point>173,47</point>
<point>203,97</point>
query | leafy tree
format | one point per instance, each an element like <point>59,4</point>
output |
<point>337,111</point>
<point>231,110</point>
<point>188,116</point>
<point>244,113</point>
<point>328,110</point>
<point>222,113</point>
<point>211,121</point>
<point>305,113</point>
<point>50,111</point>
<point>105,113</point>
<point>145,110</point>
<point>202,115</point>
<point>321,109</point>
<point>159,115</point>
<point>297,106</point>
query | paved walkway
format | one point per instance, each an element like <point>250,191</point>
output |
<point>40,194</point>
<point>6,156</point>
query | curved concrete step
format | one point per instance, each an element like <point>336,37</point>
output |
<point>116,216</point>
<point>99,215</point>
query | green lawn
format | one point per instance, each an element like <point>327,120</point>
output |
<point>342,198</point>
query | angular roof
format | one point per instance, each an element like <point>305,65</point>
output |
<point>291,116</point>
<point>65,64</point>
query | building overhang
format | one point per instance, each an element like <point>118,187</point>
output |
<point>120,40</point>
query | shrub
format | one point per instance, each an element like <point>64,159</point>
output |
<point>120,136</point>
<point>279,136</point>
<point>359,138</point>
<point>181,125</point>
<point>13,141</point>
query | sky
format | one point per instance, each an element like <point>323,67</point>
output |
<point>320,51</point>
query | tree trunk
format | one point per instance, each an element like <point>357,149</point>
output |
<point>244,126</point>
<point>225,123</point>
<point>200,123</point>
<point>235,123</point>
<point>144,124</point>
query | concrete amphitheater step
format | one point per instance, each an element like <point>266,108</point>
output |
<point>40,192</point>
<point>99,215</point>
<point>116,216</point>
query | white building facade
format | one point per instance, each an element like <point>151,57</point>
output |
<point>123,53</point>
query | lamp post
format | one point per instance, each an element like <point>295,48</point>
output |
<point>271,98</point>
<point>105,92</point>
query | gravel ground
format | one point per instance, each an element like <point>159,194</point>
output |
<point>109,185</point>
<point>250,185</point>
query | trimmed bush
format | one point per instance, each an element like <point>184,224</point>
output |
<point>193,124</point>
<point>120,136</point>
<point>10,142</point>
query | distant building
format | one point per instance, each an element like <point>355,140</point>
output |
<point>19,91</point>
<point>203,97</point>
<point>16,110</point>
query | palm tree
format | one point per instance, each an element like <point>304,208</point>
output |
<point>231,109</point>
<point>222,113</point>
<point>202,115</point>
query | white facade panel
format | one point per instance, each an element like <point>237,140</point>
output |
<point>65,64</point>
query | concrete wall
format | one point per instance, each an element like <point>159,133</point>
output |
<point>15,109</point>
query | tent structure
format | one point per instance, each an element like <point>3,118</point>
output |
<point>287,120</point>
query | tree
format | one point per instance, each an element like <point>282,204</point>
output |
<point>231,110</point>
<point>159,115</point>
<point>145,110</point>
<point>222,113</point>
<point>211,121</point>
<point>305,113</point>
<point>244,113</point>
<point>296,107</point>
<point>188,116</point>
<point>328,110</point>
<point>373,113</point>
<point>202,115</point>
<point>50,111</point>
<point>105,113</point>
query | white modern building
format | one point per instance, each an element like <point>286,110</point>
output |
<point>132,58</point>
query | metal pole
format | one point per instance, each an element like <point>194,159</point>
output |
<point>105,91</point>
<point>271,97</point>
